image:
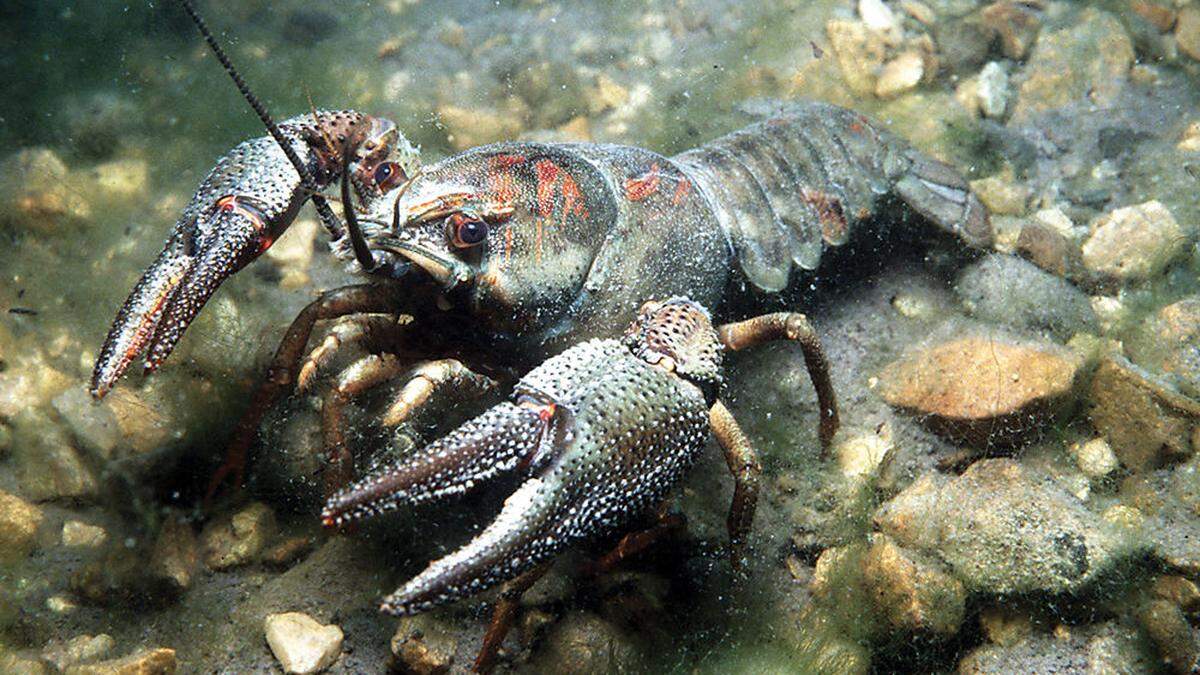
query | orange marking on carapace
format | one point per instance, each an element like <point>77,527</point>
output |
<point>547,177</point>
<point>572,199</point>
<point>682,188</point>
<point>501,181</point>
<point>508,243</point>
<point>643,185</point>
<point>829,213</point>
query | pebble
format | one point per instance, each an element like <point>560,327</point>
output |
<point>1176,339</point>
<point>877,16</point>
<point>607,94</point>
<point>1179,591</point>
<point>36,193</point>
<point>1048,249</point>
<point>1004,529</point>
<point>301,644</point>
<point>1095,458</point>
<point>1187,31</point>
<point>19,522</point>
<point>160,661</point>
<point>1134,243</point>
<point>79,649</point>
<point>993,90</point>
<point>1161,17</point>
<point>1177,643</point>
<point>982,389</point>
<point>175,555</point>
<point>288,551</point>
<point>1146,422</point>
<point>1087,60</point>
<point>1004,625</point>
<point>1190,141</point>
<point>859,52</point>
<point>237,539</point>
<point>1015,23</point>
<point>424,645</point>
<point>1110,312</point>
<point>1002,194</point>
<point>48,464</point>
<point>912,594</point>
<point>77,533</point>
<point>860,454</point>
<point>900,75</point>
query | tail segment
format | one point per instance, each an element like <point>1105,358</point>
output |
<point>786,188</point>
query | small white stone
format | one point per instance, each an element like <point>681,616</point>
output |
<point>1110,312</point>
<point>1056,220</point>
<point>994,92</point>
<point>301,644</point>
<point>862,453</point>
<point>1095,458</point>
<point>79,533</point>
<point>901,74</point>
<point>877,15</point>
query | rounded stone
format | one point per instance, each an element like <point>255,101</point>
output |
<point>301,644</point>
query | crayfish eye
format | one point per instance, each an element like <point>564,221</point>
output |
<point>466,231</point>
<point>387,175</point>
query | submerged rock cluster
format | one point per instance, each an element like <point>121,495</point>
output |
<point>1016,487</point>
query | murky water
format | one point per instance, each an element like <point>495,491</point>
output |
<point>1012,488</point>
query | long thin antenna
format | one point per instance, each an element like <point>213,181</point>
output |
<point>327,216</point>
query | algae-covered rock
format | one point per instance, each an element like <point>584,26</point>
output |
<point>1178,643</point>
<point>1015,24</point>
<point>1146,422</point>
<point>1086,60</point>
<point>1008,290</point>
<point>1004,529</point>
<point>79,649</point>
<point>914,595</point>
<point>983,389</point>
<point>1105,648</point>
<point>585,643</point>
<point>19,522</point>
<point>160,661</point>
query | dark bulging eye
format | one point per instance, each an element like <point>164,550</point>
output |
<point>387,175</point>
<point>467,231</point>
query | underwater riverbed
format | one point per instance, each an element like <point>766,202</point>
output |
<point>1015,486</point>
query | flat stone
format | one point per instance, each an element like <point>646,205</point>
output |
<point>76,533</point>
<point>159,661</point>
<point>94,427</point>
<point>48,465</point>
<point>979,389</point>
<point>1147,423</point>
<point>913,595</point>
<point>19,522</point>
<point>301,644</point>
<point>424,645</point>
<point>79,649</point>
<point>1086,61</point>
<point>1009,290</point>
<point>1134,242</point>
<point>1002,529</point>
<point>237,539</point>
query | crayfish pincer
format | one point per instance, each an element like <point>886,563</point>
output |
<point>598,434</point>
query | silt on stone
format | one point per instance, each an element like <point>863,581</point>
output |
<point>1134,243</point>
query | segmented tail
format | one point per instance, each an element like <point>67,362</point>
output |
<point>786,188</point>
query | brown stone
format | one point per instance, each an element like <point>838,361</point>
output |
<point>859,52</point>
<point>175,555</point>
<point>288,551</point>
<point>1146,422</point>
<point>1180,591</point>
<point>1159,16</point>
<point>1015,23</point>
<point>1135,242</point>
<point>1047,248</point>
<point>238,539</point>
<point>913,595</point>
<point>19,521</point>
<point>423,645</point>
<point>1187,31</point>
<point>978,389</point>
<point>159,661</point>
<point>1168,628</point>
